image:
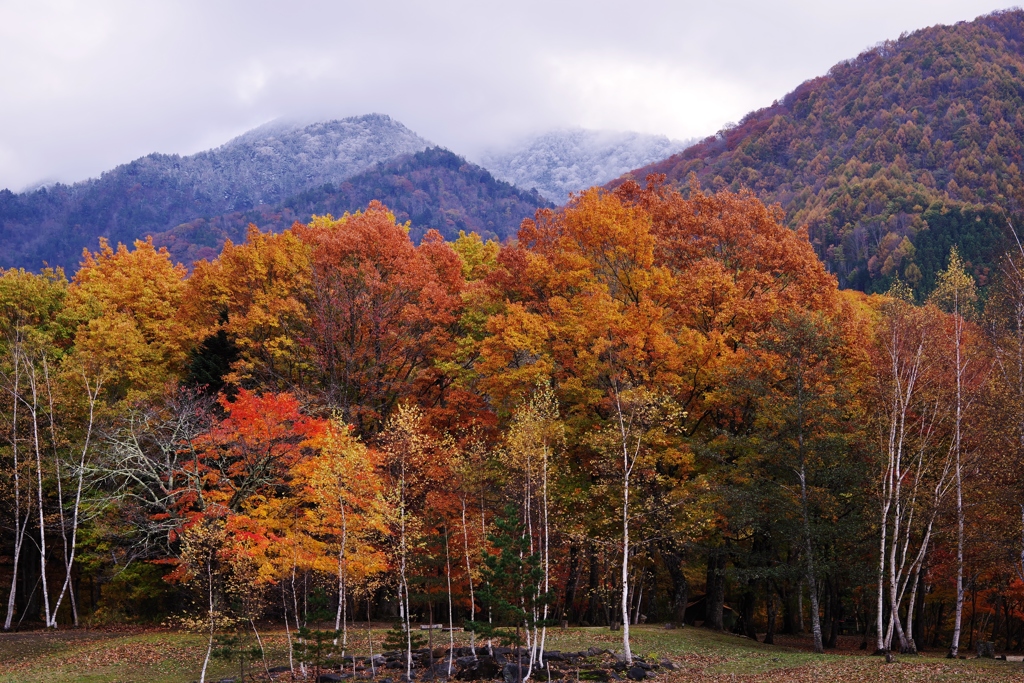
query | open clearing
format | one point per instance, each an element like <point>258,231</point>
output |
<point>158,656</point>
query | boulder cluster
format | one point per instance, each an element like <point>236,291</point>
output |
<point>495,664</point>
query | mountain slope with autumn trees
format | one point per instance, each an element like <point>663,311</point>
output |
<point>892,157</point>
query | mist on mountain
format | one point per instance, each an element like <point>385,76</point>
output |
<point>560,162</point>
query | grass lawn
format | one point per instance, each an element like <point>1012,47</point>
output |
<point>141,656</point>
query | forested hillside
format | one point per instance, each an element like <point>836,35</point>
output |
<point>434,189</point>
<point>160,191</point>
<point>892,157</point>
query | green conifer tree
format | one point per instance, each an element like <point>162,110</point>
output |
<point>511,591</point>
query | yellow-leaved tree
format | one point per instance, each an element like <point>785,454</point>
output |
<point>131,335</point>
<point>348,510</point>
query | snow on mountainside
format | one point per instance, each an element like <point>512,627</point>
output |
<point>159,191</point>
<point>433,189</point>
<point>279,159</point>
<point>560,162</point>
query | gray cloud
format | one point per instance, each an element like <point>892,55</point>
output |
<point>85,86</point>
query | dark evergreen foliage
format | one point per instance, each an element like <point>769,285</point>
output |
<point>511,576</point>
<point>211,362</point>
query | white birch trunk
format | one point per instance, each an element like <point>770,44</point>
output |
<point>298,626</point>
<point>625,570</point>
<point>627,467</point>
<point>209,643</point>
<point>259,641</point>
<point>812,579</point>
<point>20,527</point>
<point>451,614</point>
<point>547,558</point>
<point>287,630</point>
<point>404,585</point>
<point>369,639</point>
<point>469,575</point>
<point>39,501</point>
<point>907,419</point>
<point>528,510</point>
<point>93,394</point>
<point>958,324</point>
<point>340,620</point>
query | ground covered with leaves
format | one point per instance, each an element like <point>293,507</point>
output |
<point>160,656</point>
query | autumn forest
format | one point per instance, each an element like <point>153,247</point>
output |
<point>655,405</point>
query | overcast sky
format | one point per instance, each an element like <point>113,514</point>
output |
<point>85,86</point>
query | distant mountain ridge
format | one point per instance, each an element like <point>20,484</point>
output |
<point>434,189</point>
<point>891,158</point>
<point>560,162</point>
<point>159,191</point>
<point>282,172</point>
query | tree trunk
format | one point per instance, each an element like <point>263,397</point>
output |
<point>209,644</point>
<point>835,613</point>
<point>1006,624</point>
<point>287,630</point>
<point>625,573</point>
<point>954,648</point>
<point>915,608</point>
<point>936,634</point>
<point>868,624</point>
<point>469,576</point>
<point>451,616</point>
<point>19,527</point>
<point>595,577</point>
<point>958,321</point>
<point>571,584</point>
<point>788,616</point>
<point>340,619</point>
<point>680,589</point>
<point>628,460</point>
<point>747,611</point>
<point>92,393</point>
<point>974,612</point>
<point>714,599</point>
<point>39,506</point>
<point>800,606</point>
<point>547,564</point>
<point>829,614</point>
<point>769,636</point>
<point>812,580</point>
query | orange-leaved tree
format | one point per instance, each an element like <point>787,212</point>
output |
<point>381,312</point>
<point>347,310</point>
<point>253,449</point>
